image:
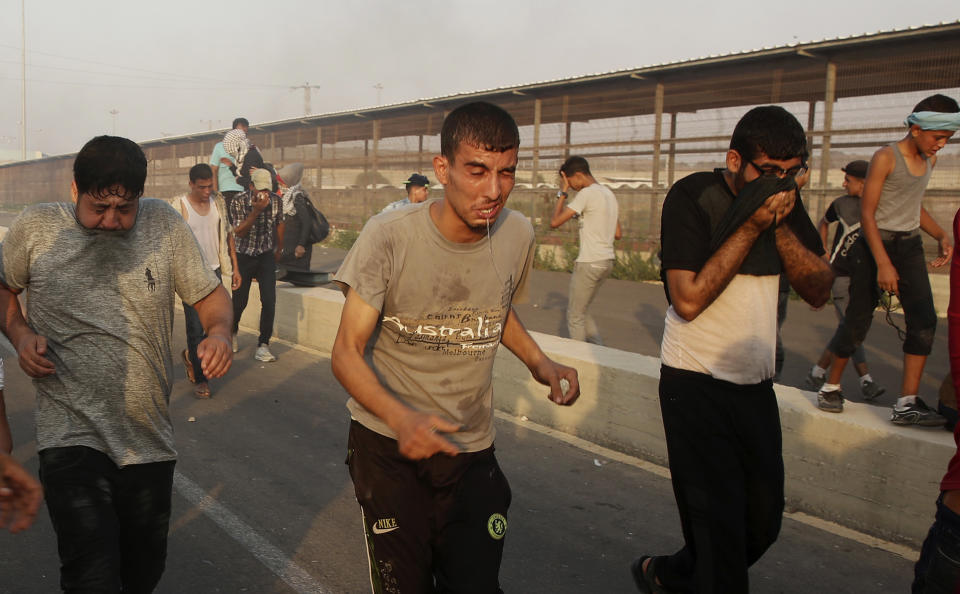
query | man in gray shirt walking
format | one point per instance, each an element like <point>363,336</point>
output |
<point>103,275</point>
<point>596,208</point>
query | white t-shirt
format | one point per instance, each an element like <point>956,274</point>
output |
<point>733,339</point>
<point>597,207</point>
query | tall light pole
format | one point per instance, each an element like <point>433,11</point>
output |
<point>306,96</point>
<point>23,82</point>
<point>114,112</point>
<point>379,88</point>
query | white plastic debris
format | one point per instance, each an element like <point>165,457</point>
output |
<point>192,420</point>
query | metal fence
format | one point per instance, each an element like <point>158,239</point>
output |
<point>640,131</point>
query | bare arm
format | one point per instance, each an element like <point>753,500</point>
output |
<point>216,178</point>
<point>20,495</point>
<point>237,279</point>
<point>561,213</point>
<point>544,369</point>
<point>618,233</point>
<point>809,275</point>
<point>881,165</point>
<point>944,247</point>
<point>216,316</point>
<point>6,438</point>
<point>692,292</point>
<point>823,227</point>
<point>417,436</point>
<point>31,348</point>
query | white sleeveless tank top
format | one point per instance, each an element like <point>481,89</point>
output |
<point>206,229</point>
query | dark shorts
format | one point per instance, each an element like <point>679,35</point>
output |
<point>434,525</point>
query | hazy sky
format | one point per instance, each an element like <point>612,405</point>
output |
<point>175,67</point>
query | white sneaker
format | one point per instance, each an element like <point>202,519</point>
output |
<point>236,344</point>
<point>263,354</point>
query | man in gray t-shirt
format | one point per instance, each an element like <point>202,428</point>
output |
<point>596,208</point>
<point>429,290</point>
<point>103,275</point>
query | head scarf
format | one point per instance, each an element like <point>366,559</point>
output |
<point>236,144</point>
<point>934,120</point>
<point>291,175</point>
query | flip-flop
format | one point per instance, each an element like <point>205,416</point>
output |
<point>202,390</point>
<point>188,366</point>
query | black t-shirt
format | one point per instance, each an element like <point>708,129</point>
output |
<point>692,212</point>
<point>846,211</point>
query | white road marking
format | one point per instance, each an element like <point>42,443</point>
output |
<point>270,556</point>
<point>906,552</point>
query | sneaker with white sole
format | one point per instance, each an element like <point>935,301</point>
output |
<point>831,401</point>
<point>916,413</point>
<point>263,354</point>
<point>870,390</point>
<point>814,383</point>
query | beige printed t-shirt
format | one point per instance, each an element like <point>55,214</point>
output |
<point>442,310</point>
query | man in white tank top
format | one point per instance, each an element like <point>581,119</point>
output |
<point>206,214</point>
<point>892,251</point>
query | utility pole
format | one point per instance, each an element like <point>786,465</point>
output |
<point>379,88</point>
<point>23,82</point>
<point>306,96</point>
<point>114,112</point>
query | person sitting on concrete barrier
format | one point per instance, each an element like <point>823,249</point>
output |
<point>596,210</point>
<point>891,251</point>
<point>418,186</point>
<point>727,237</point>
<point>297,246</point>
<point>256,216</point>
<point>845,210</point>
<point>102,275</point>
<point>429,293</point>
<point>206,214</point>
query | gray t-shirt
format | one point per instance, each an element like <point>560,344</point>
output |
<point>442,309</point>
<point>105,301</point>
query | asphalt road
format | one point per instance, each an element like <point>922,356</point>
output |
<point>263,502</point>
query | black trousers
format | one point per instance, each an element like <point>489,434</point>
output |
<point>264,269</point>
<point>726,463</point>
<point>111,522</point>
<point>431,526</point>
<point>920,317</point>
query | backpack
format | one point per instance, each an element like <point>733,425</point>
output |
<point>319,227</point>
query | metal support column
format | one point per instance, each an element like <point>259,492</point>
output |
<point>655,175</point>
<point>319,157</point>
<point>829,97</point>
<point>672,155</point>
<point>537,111</point>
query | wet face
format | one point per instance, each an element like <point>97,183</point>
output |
<point>853,185</point>
<point>476,184</point>
<point>929,141</point>
<point>417,193</point>
<point>201,189</point>
<point>111,212</point>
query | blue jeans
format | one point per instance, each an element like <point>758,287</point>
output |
<point>195,336</point>
<point>938,570</point>
<point>111,522</point>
